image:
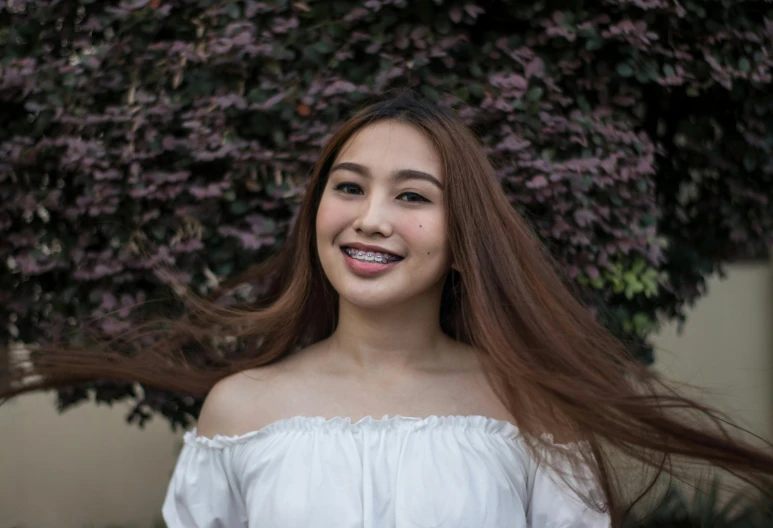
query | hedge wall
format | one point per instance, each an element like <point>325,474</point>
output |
<point>635,135</point>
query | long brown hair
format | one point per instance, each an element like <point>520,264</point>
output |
<point>563,377</point>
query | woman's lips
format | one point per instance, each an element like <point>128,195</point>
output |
<point>367,269</point>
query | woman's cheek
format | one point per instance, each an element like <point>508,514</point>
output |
<point>329,218</point>
<point>427,234</point>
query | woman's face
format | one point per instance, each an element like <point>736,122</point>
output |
<point>381,226</point>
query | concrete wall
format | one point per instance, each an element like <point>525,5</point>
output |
<point>84,468</point>
<point>88,468</point>
<point>727,347</point>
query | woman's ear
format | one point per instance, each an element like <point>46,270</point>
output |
<point>455,267</point>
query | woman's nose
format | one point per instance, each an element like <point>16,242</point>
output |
<point>373,218</point>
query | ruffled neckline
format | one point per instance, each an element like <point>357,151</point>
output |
<point>322,424</point>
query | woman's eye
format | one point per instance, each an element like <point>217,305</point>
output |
<point>348,188</point>
<point>413,197</point>
<point>353,189</point>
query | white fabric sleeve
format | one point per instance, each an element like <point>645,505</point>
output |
<point>555,505</point>
<point>203,491</point>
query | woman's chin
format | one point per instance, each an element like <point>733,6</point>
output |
<point>372,300</point>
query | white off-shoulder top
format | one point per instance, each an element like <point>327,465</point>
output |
<point>401,472</point>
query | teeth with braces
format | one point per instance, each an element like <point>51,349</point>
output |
<point>368,256</point>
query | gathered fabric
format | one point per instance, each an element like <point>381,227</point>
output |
<point>398,472</point>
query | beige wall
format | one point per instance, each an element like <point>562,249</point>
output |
<point>88,468</point>
<point>84,468</point>
<point>727,346</point>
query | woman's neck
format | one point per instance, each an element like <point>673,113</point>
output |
<point>388,340</point>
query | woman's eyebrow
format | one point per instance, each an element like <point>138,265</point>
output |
<point>398,175</point>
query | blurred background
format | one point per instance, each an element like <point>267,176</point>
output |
<point>636,136</point>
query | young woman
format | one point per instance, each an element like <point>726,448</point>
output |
<point>414,361</point>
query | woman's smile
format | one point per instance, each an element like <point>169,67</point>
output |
<point>368,263</point>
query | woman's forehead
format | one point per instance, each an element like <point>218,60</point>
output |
<point>392,142</point>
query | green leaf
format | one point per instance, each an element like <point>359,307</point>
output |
<point>618,285</point>
<point>593,44</point>
<point>323,48</point>
<point>744,65</point>
<point>632,289</point>
<point>642,76</point>
<point>339,6</point>
<point>641,323</point>
<point>255,95</point>
<point>650,284</point>
<point>225,269</point>
<point>443,25</point>
<point>239,207</point>
<point>624,70</point>
<point>535,94</point>
<point>278,136</point>
<point>158,233</point>
<point>335,30</point>
<point>430,92</point>
<point>650,69</point>
<point>233,11</point>
<point>312,55</point>
<point>477,90</point>
<point>548,153</point>
<point>749,162</point>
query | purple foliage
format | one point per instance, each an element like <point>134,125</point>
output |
<point>182,132</point>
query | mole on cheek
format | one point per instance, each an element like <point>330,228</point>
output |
<point>419,225</point>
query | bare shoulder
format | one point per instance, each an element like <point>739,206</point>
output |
<point>241,402</point>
